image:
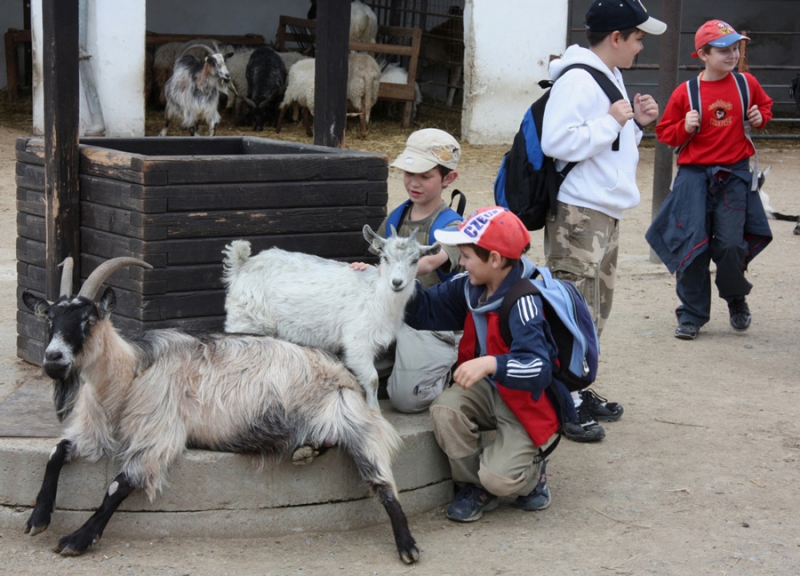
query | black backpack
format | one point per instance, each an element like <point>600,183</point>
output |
<point>528,182</point>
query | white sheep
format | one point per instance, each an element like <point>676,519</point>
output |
<point>143,401</point>
<point>299,90</point>
<point>237,66</point>
<point>363,84</point>
<point>317,302</point>
<point>396,74</point>
<point>363,23</point>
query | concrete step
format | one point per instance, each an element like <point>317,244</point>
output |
<point>213,493</point>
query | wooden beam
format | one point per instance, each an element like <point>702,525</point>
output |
<point>330,101</point>
<point>60,27</point>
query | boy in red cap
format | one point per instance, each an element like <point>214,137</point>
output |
<point>499,387</point>
<point>714,211</point>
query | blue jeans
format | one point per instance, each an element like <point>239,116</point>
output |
<point>726,205</point>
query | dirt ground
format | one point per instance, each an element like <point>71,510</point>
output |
<point>699,476</point>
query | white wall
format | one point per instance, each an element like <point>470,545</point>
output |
<point>115,40</point>
<point>508,48</point>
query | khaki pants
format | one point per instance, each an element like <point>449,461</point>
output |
<point>506,467</point>
<point>581,245</point>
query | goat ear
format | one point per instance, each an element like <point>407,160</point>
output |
<point>38,306</point>
<point>107,303</point>
<point>376,241</point>
<point>430,250</point>
<point>228,55</point>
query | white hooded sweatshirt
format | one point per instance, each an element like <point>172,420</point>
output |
<point>578,128</point>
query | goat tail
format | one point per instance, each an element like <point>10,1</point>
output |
<point>236,254</point>
<point>364,434</point>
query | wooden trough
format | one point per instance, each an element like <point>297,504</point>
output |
<point>176,202</point>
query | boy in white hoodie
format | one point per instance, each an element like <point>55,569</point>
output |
<point>581,125</point>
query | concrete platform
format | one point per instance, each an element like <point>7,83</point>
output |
<point>213,493</point>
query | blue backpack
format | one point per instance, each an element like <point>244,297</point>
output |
<point>571,326</point>
<point>443,220</point>
<point>528,182</point>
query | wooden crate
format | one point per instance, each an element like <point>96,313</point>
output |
<point>176,202</point>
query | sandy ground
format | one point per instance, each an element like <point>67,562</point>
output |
<point>699,476</point>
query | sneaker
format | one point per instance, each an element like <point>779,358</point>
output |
<point>740,314</point>
<point>539,498</point>
<point>586,429</point>
<point>599,407</point>
<point>688,331</point>
<point>470,504</point>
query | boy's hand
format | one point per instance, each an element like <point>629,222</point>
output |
<point>692,121</point>
<point>645,109</point>
<point>754,116</point>
<point>360,266</point>
<point>474,370</point>
<point>621,111</point>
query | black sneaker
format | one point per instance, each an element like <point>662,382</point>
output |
<point>539,498</point>
<point>599,407</point>
<point>688,331</point>
<point>586,429</point>
<point>740,314</point>
<point>470,504</point>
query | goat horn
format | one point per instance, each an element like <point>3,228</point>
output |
<point>106,269</point>
<point>203,46</point>
<point>66,277</point>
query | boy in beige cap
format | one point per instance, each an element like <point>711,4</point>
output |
<point>422,359</point>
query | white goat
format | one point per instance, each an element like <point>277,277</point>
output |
<point>317,302</point>
<point>300,91</point>
<point>143,401</point>
<point>363,84</point>
<point>772,214</point>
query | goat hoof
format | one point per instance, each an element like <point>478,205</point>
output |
<point>75,544</point>
<point>37,522</point>
<point>304,455</point>
<point>34,530</point>
<point>409,553</point>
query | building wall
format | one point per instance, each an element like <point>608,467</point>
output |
<point>507,51</point>
<point>115,41</point>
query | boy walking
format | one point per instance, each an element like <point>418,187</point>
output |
<point>581,125</point>
<point>423,359</point>
<point>713,211</point>
<point>499,387</point>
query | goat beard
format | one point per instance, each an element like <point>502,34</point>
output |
<point>64,394</point>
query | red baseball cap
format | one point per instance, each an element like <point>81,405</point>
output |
<point>716,33</point>
<point>492,228</point>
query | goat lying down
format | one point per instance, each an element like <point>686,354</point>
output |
<point>144,401</point>
<point>771,213</point>
<point>317,302</point>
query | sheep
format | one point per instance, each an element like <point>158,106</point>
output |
<point>266,81</point>
<point>771,214</point>
<point>363,23</point>
<point>143,401</point>
<point>363,84</point>
<point>300,91</point>
<point>291,58</point>
<point>396,74</point>
<point>317,302</point>
<point>237,66</point>
<point>193,91</point>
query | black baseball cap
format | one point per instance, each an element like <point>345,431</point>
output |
<point>610,15</point>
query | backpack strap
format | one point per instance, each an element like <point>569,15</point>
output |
<point>462,201</point>
<point>396,216</point>
<point>744,96</point>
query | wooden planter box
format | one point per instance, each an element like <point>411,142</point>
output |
<point>176,202</point>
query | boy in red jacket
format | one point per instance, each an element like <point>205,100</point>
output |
<point>713,212</point>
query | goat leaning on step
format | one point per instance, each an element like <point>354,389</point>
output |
<point>318,302</point>
<point>142,401</point>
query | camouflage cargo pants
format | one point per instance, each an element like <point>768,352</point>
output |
<point>581,245</point>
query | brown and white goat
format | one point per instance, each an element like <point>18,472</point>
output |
<point>143,401</point>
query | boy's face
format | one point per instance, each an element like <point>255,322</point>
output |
<point>480,272</point>
<point>720,60</point>
<point>628,48</point>
<point>427,186</point>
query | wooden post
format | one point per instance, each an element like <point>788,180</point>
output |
<point>667,80</point>
<point>62,212</point>
<point>743,67</point>
<point>330,101</point>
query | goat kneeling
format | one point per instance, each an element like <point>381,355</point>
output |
<point>143,401</point>
<point>318,302</point>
